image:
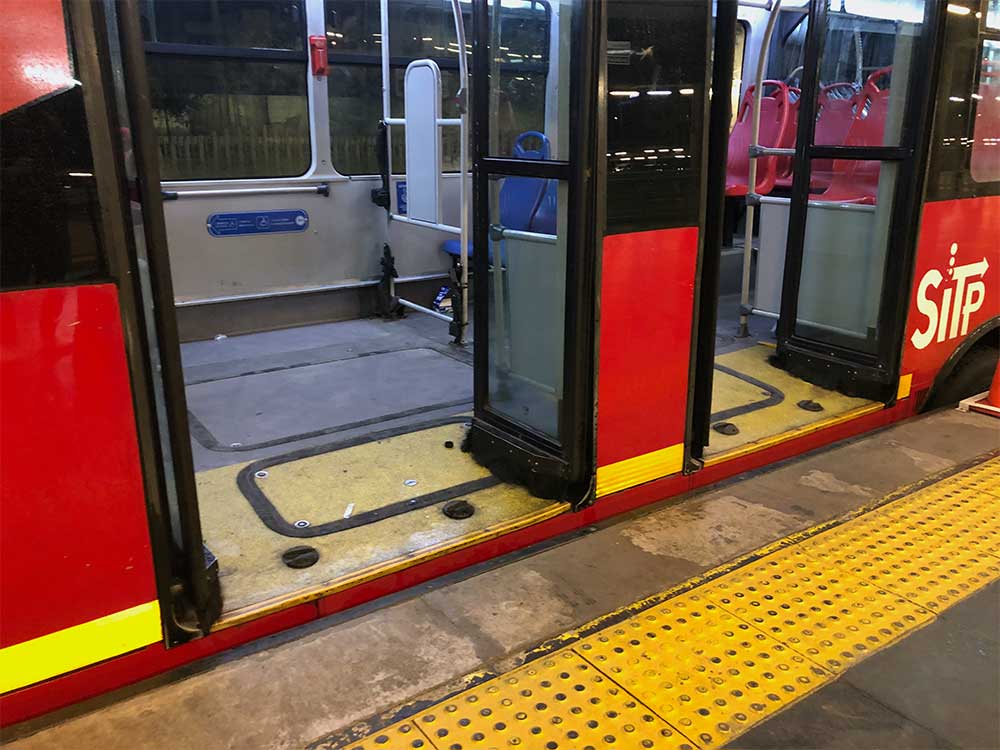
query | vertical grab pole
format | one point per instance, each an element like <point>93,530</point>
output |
<point>386,114</point>
<point>463,165</point>
<point>752,180</point>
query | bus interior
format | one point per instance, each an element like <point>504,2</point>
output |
<point>329,389</point>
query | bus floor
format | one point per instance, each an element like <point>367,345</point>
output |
<point>925,677</point>
<point>343,439</point>
<point>754,402</point>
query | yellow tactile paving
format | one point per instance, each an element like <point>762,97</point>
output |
<point>834,619</point>
<point>695,670</point>
<point>706,672</point>
<point>907,558</point>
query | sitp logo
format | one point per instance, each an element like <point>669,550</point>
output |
<point>948,309</point>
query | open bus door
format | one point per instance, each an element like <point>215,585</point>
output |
<point>851,221</point>
<point>534,236</point>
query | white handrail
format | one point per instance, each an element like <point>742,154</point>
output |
<point>765,46</point>
<point>463,161</point>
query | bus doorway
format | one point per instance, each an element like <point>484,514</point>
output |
<point>313,197</point>
<point>819,178</point>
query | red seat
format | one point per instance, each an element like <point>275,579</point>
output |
<point>834,113</point>
<point>852,180</point>
<point>775,130</point>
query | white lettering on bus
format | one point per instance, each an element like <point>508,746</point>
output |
<point>963,296</point>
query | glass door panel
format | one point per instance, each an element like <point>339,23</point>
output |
<point>528,302</point>
<point>852,207</point>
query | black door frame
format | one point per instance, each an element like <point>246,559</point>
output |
<point>550,468</point>
<point>702,371</point>
<point>853,372</point>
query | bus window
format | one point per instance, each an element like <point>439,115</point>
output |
<point>228,86</point>
<point>49,231</point>
<point>787,53</point>
<point>655,113</point>
<point>426,29</point>
<point>993,15</point>
<point>985,160</point>
<point>739,48</point>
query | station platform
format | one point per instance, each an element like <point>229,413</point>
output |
<point>848,598</point>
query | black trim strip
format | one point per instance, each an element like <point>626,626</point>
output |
<point>273,519</point>
<point>774,399</point>
<point>702,357</point>
<point>550,170</point>
<point>871,153</point>
<point>204,436</point>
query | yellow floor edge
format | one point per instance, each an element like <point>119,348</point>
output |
<point>695,671</point>
<point>388,567</point>
<point>798,432</point>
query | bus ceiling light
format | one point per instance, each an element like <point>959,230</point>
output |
<point>686,92</point>
<point>626,94</point>
<point>958,10</point>
<point>664,92</point>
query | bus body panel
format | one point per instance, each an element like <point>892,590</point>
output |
<point>647,303</point>
<point>33,38</point>
<point>74,541</point>
<point>955,283</point>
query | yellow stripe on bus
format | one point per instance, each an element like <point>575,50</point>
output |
<point>639,469</point>
<point>79,646</point>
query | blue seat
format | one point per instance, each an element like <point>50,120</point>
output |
<point>526,203</point>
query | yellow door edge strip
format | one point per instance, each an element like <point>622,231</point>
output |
<point>79,646</point>
<point>639,469</point>
<point>388,567</point>
<point>905,384</point>
<point>676,663</point>
<point>798,432</point>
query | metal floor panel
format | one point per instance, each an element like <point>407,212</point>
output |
<point>271,408</point>
<point>704,666</point>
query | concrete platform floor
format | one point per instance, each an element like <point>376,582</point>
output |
<point>292,690</point>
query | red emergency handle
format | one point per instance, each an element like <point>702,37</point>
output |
<point>317,54</point>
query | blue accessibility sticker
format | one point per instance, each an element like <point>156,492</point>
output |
<point>257,222</point>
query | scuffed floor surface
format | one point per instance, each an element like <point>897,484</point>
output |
<point>295,689</point>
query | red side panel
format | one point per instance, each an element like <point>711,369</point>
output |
<point>647,299</point>
<point>956,287</point>
<point>35,59</point>
<point>74,541</point>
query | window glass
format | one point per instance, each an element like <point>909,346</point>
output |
<point>49,210</point>
<point>985,161</point>
<point>948,169</point>
<point>417,28</point>
<point>993,15</point>
<point>739,46</point>
<point>526,95</point>
<point>527,307</point>
<point>274,24</point>
<point>229,118</point>
<point>656,101</point>
<point>355,100</point>
<point>787,53</point>
<point>843,256</point>
<point>868,49</point>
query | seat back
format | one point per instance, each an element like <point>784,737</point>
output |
<point>775,130</point>
<point>857,181</point>
<point>521,196</point>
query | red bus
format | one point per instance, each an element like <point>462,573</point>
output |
<point>304,302</point>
